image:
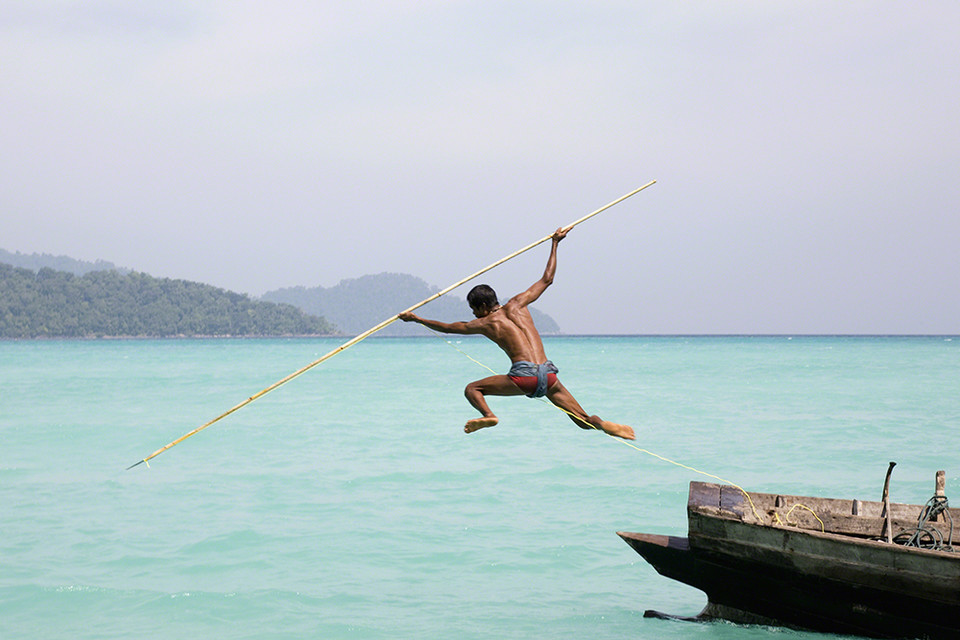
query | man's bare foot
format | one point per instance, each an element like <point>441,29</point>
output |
<point>476,424</point>
<point>612,428</point>
<point>619,430</point>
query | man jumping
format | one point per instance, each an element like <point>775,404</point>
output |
<point>511,327</point>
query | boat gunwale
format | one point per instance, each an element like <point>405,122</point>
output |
<point>729,502</point>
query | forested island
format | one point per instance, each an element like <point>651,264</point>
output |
<point>108,303</point>
<point>45,296</point>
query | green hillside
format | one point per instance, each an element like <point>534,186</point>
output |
<point>49,303</point>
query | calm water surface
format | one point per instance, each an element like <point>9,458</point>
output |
<point>349,503</point>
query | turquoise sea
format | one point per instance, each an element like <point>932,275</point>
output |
<point>349,503</point>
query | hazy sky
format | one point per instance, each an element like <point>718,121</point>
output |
<point>807,153</point>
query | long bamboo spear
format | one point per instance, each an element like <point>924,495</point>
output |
<point>376,328</point>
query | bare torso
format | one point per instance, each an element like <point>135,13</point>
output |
<point>511,328</point>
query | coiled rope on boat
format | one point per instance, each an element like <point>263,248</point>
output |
<point>926,535</point>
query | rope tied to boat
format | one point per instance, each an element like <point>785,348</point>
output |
<point>926,535</point>
<point>796,523</point>
<point>756,514</point>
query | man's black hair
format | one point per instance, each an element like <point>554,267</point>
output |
<point>482,296</point>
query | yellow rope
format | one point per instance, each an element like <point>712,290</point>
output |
<point>626,442</point>
<point>464,353</point>
<point>803,506</point>
<point>695,470</point>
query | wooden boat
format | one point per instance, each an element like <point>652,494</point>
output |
<point>816,564</point>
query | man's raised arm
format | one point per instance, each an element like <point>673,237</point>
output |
<point>538,287</point>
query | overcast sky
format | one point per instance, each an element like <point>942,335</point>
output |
<point>807,153</point>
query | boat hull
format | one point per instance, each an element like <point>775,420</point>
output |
<point>756,573</point>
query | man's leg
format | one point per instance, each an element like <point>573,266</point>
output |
<point>499,385</point>
<point>558,395</point>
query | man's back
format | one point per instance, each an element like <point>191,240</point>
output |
<point>511,327</point>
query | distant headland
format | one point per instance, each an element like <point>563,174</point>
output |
<point>46,296</point>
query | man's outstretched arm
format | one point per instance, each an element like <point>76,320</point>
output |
<point>442,327</point>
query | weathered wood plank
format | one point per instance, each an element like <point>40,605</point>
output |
<point>704,494</point>
<point>837,515</point>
